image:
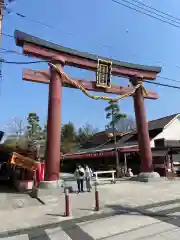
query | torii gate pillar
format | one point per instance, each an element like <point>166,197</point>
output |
<point>52,161</point>
<point>143,134</point>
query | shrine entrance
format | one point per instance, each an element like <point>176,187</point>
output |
<point>57,57</point>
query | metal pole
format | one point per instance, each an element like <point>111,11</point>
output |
<point>96,198</point>
<point>67,206</point>
<point>125,164</point>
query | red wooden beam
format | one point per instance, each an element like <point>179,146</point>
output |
<point>44,49</point>
<point>80,62</point>
<point>44,76</point>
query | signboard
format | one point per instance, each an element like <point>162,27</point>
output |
<point>103,74</point>
<point>22,161</point>
<point>89,155</point>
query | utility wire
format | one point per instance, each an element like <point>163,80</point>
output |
<point>21,63</point>
<point>40,22</point>
<point>46,61</point>
<point>132,54</point>
<point>5,50</point>
<point>8,35</point>
<point>147,13</point>
<point>157,10</point>
<point>169,79</point>
<point>62,30</point>
<point>162,84</point>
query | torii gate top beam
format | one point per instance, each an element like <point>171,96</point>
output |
<point>37,47</point>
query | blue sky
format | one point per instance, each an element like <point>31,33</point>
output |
<point>100,27</point>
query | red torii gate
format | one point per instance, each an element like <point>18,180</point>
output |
<point>60,56</point>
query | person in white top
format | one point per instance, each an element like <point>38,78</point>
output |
<point>79,174</point>
<point>88,178</point>
<point>130,173</point>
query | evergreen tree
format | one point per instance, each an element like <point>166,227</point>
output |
<point>68,137</point>
<point>34,133</point>
<point>33,127</point>
<point>113,114</point>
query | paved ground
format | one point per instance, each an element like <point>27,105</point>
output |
<point>130,210</point>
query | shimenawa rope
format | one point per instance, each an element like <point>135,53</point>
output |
<point>107,98</point>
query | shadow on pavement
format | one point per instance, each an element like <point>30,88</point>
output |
<point>171,219</point>
<point>55,215</point>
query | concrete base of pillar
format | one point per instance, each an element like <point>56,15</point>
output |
<point>147,177</point>
<point>51,184</point>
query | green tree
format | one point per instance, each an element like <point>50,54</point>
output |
<point>33,127</point>
<point>34,133</point>
<point>114,115</point>
<point>68,137</point>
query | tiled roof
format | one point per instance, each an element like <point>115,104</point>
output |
<point>22,37</point>
<point>130,139</point>
<point>154,126</point>
<point>159,123</point>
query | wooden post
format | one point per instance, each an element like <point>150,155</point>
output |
<point>142,129</point>
<point>52,161</point>
<point>125,164</point>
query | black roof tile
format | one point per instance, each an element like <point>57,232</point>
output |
<point>155,127</point>
<point>22,37</point>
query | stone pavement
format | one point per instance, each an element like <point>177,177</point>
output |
<point>130,210</point>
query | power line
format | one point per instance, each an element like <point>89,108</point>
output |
<point>5,50</point>
<point>46,61</point>
<point>62,30</point>
<point>41,61</point>
<point>145,13</point>
<point>162,84</point>
<point>132,54</point>
<point>42,23</point>
<point>157,10</point>
<point>21,63</point>
<point>169,79</point>
<point>8,35</point>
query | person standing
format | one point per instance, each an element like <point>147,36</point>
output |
<point>88,178</point>
<point>79,175</point>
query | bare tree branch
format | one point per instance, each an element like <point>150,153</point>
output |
<point>16,127</point>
